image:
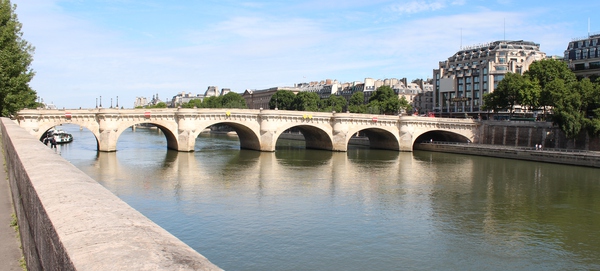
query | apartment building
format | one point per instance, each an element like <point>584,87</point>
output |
<point>461,81</point>
<point>583,56</point>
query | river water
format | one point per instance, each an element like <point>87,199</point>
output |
<point>298,209</point>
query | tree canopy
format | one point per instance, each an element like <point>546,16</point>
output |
<point>306,101</point>
<point>15,59</point>
<point>384,100</point>
<point>333,103</point>
<point>545,72</point>
<point>515,89</point>
<point>282,99</point>
<point>229,100</point>
<point>357,103</point>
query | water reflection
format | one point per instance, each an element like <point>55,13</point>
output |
<point>298,209</point>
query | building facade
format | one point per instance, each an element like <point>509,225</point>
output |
<point>256,99</point>
<point>583,56</point>
<point>461,81</point>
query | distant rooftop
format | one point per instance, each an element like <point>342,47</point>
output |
<point>494,44</point>
<point>589,36</point>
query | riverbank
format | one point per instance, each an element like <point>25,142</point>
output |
<point>557,156</point>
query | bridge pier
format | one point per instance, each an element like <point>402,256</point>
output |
<point>340,137</point>
<point>268,131</point>
<point>406,138</point>
<point>107,142</point>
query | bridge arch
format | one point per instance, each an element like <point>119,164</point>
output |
<point>379,138</point>
<point>315,136</point>
<point>170,135</point>
<point>249,139</point>
<point>439,135</point>
<point>45,126</point>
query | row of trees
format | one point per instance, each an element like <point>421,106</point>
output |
<point>229,100</point>
<point>384,100</point>
<point>550,84</point>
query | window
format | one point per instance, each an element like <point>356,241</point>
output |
<point>468,80</point>
<point>498,78</point>
<point>460,81</point>
<point>476,79</point>
<point>476,86</point>
<point>500,68</point>
<point>502,60</point>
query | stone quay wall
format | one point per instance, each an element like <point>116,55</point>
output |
<point>530,133</point>
<point>68,221</point>
<point>557,156</point>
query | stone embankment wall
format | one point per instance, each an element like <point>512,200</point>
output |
<point>530,133</point>
<point>576,158</point>
<point>68,221</point>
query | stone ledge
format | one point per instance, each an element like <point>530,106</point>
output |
<point>575,159</point>
<point>68,221</point>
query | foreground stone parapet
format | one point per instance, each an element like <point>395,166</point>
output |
<point>68,221</point>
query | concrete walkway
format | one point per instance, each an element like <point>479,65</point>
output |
<point>10,252</point>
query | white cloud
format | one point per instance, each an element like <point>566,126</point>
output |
<point>418,6</point>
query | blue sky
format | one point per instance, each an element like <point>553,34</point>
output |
<point>129,48</point>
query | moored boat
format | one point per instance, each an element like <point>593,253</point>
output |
<point>59,136</point>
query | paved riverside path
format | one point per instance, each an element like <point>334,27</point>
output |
<point>10,252</point>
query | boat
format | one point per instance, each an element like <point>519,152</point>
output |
<point>59,136</point>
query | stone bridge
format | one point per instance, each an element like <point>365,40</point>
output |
<point>257,129</point>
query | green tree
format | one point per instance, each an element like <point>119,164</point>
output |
<point>15,58</point>
<point>212,102</point>
<point>334,103</point>
<point>306,101</point>
<point>530,94</point>
<point>193,103</point>
<point>405,105</point>
<point>492,102</point>
<point>282,99</point>
<point>158,105</point>
<point>233,100</point>
<point>509,89</point>
<point>385,99</point>
<point>569,109</point>
<point>593,109</point>
<point>357,103</point>
<point>546,72</point>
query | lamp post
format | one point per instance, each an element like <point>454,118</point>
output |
<point>100,101</point>
<point>117,101</point>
